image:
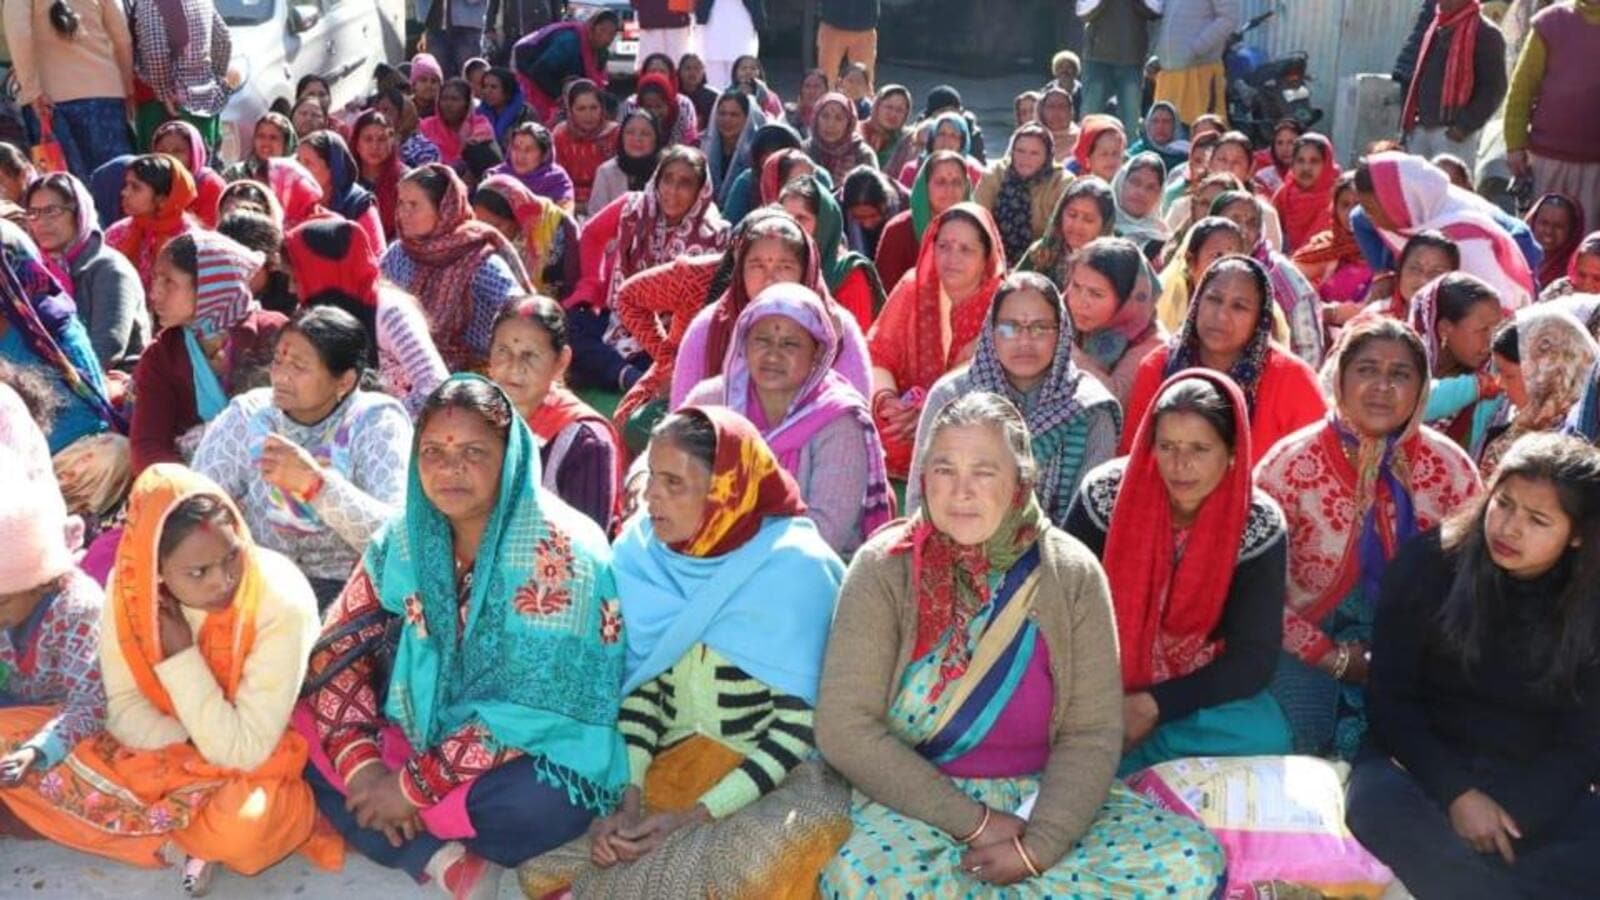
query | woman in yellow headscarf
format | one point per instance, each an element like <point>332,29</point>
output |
<point>203,647</point>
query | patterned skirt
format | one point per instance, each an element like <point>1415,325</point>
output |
<point>1132,850</point>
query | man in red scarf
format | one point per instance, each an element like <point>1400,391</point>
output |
<point>1458,83</point>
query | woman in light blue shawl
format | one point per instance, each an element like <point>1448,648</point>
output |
<point>728,591</point>
<point>728,154</point>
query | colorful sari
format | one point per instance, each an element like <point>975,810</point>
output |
<point>127,804</point>
<point>975,701</point>
<point>1349,501</point>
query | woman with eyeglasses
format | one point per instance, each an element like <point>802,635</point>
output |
<point>1025,354</point>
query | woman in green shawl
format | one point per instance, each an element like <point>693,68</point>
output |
<point>851,277</point>
<point>480,729</point>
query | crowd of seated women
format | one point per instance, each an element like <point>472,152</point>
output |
<point>667,496</point>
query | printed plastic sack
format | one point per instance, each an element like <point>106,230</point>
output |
<point>1278,818</point>
<point>47,154</point>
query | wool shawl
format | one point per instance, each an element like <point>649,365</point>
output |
<point>34,304</point>
<point>824,396</point>
<point>549,179</point>
<point>892,146</point>
<point>536,656</point>
<point>756,583</point>
<point>1459,78</point>
<point>645,238</point>
<point>447,259</point>
<point>1168,602</point>
<point>908,338</point>
<point>1416,195</point>
<point>1013,209</point>
<point>1351,500</point>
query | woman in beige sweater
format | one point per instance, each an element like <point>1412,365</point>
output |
<point>971,693</point>
<point>74,65</point>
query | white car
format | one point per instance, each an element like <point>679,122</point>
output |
<point>278,42</point>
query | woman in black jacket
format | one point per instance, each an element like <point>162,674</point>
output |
<point>1484,691</point>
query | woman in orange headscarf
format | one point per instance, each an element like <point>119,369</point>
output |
<point>157,192</point>
<point>203,646</point>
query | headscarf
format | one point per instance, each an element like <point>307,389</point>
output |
<point>756,584</point>
<point>676,128</point>
<point>346,196</point>
<point>1417,196</point>
<point>1168,602</point>
<point>208,184</point>
<point>1556,353</point>
<point>1150,226</point>
<point>844,154</point>
<point>1090,130</point>
<point>884,142</point>
<point>927,356</point>
<point>226,636</point>
<point>334,255</point>
<point>644,238</point>
<point>254,167</point>
<point>60,263</point>
<point>514,112</point>
<point>1589,246</point>
<point>386,186</point>
<point>539,222</point>
<point>1335,244</point>
<point>771,181</point>
<point>1558,262</point>
<point>921,209</point>
<point>223,297</point>
<point>169,220</point>
<point>725,163</point>
<point>105,185</point>
<point>548,179</point>
<point>425,64</point>
<point>1304,212</point>
<point>1174,152</point>
<point>950,580</point>
<point>729,298</point>
<point>445,262</point>
<point>955,120</point>
<point>1013,209</point>
<point>1067,138</point>
<point>298,193</point>
<point>1183,352</point>
<point>836,260</point>
<point>638,169</point>
<point>41,312</point>
<point>1459,77</point>
<point>540,591</point>
<point>824,396</point>
<point>1423,317</point>
<point>1135,318</point>
<point>1056,401</point>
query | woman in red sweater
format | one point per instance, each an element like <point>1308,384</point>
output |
<point>586,139</point>
<point>1229,329</point>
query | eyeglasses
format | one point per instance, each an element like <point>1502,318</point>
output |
<point>1010,331</point>
<point>46,212</point>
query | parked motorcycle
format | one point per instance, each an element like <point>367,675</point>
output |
<point>1263,92</point>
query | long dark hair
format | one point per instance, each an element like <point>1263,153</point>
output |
<point>1570,639</point>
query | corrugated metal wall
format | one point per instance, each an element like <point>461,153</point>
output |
<point>1341,37</point>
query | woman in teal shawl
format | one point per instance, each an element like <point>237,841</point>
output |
<point>480,730</point>
<point>728,592</point>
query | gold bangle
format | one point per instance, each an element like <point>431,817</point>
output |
<point>982,824</point>
<point>1027,858</point>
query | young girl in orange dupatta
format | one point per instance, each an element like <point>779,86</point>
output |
<point>203,647</point>
<point>157,192</point>
<point>931,322</point>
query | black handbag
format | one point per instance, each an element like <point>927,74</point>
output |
<point>381,647</point>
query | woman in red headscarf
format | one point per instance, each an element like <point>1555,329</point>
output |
<point>931,321</point>
<point>1195,557</point>
<point>1305,202</point>
<point>1101,146</point>
<point>658,95</point>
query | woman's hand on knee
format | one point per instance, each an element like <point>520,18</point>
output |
<point>602,832</point>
